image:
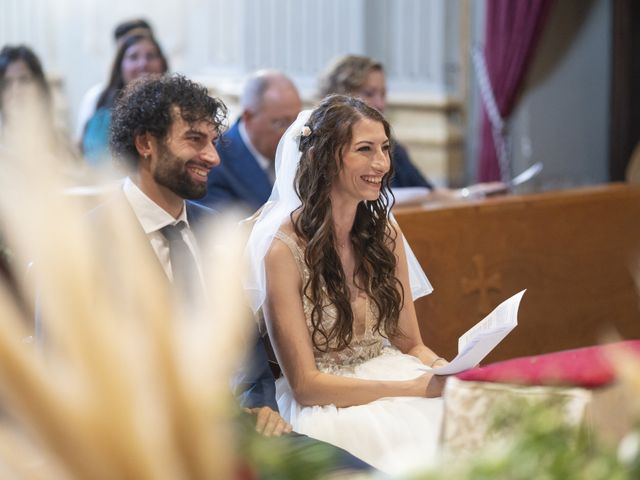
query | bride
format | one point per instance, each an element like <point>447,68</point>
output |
<point>335,279</point>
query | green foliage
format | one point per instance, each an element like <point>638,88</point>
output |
<point>534,441</point>
<point>281,457</point>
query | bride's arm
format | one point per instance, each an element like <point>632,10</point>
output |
<point>291,340</point>
<point>411,340</point>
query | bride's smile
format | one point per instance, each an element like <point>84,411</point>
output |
<point>365,162</point>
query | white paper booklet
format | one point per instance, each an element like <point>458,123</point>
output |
<point>483,337</point>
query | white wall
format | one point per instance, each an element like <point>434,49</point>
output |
<point>562,118</point>
<point>222,40</point>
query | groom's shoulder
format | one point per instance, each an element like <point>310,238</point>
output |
<point>197,213</point>
<point>103,211</point>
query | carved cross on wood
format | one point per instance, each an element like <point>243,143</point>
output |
<point>481,284</point>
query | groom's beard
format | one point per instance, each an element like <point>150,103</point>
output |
<point>173,174</point>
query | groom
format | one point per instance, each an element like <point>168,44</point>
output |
<point>166,128</point>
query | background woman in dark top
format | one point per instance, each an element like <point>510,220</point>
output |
<point>363,77</point>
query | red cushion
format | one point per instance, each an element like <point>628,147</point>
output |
<point>583,367</point>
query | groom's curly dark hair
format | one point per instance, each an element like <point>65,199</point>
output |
<point>147,105</point>
<point>373,236</point>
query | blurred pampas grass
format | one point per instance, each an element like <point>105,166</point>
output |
<point>123,385</point>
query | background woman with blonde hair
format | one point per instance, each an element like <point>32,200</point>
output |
<point>363,77</point>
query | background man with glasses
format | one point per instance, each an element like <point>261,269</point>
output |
<point>270,103</point>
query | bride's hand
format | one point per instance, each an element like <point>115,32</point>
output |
<point>439,362</point>
<point>431,385</point>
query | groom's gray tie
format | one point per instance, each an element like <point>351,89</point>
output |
<point>186,277</point>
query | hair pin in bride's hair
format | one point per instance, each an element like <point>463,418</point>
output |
<point>304,132</point>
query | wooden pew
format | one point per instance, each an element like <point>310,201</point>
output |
<point>576,253</point>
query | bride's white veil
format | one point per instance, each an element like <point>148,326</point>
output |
<point>281,203</point>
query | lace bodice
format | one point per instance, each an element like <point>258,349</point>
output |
<point>366,343</point>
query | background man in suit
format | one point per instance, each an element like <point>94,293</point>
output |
<point>166,127</point>
<point>270,103</point>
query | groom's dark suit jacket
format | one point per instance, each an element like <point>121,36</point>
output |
<point>254,384</point>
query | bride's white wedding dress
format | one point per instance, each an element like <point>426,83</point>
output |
<point>394,434</point>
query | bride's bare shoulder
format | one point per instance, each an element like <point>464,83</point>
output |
<point>287,243</point>
<point>284,252</point>
<point>287,228</point>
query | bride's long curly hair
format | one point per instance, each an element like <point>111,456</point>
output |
<point>372,235</point>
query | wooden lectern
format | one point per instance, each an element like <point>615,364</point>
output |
<point>576,252</point>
